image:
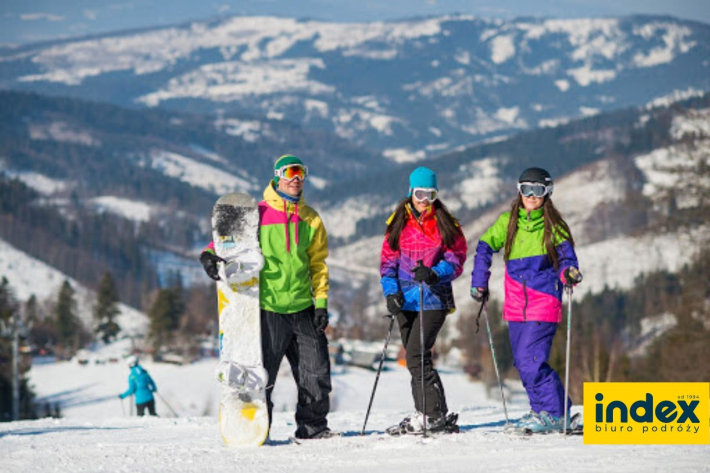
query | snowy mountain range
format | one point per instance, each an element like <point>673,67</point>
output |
<point>408,89</point>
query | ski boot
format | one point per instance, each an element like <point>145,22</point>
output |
<point>542,423</point>
<point>414,424</point>
<point>574,425</point>
<point>322,435</point>
<point>449,426</point>
<point>326,434</point>
<point>515,426</point>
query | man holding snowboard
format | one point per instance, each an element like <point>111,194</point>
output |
<point>293,294</point>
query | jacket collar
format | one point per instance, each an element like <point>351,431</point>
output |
<point>534,223</point>
<point>276,202</point>
<point>272,198</point>
<point>428,214</point>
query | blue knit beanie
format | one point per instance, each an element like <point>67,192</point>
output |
<point>422,177</point>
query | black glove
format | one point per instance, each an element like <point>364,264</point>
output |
<point>480,294</point>
<point>424,274</point>
<point>395,303</point>
<point>209,262</point>
<point>572,276</point>
<point>321,320</point>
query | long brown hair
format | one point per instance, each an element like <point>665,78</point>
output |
<point>448,226</point>
<point>555,226</point>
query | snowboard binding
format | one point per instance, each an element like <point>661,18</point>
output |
<point>240,378</point>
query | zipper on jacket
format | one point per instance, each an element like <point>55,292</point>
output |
<point>289,293</point>
<point>525,307</point>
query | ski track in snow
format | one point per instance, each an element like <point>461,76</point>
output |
<point>95,437</point>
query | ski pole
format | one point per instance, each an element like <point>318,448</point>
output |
<point>379,369</point>
<point>484,305</point>
<point>123,409</point>
<point>166,403</point>
<point>568,289</point>
<point>421,343</point>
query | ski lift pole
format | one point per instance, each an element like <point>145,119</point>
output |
<point>14,331</point>
<point>484,305</point>
<point>379,370</point>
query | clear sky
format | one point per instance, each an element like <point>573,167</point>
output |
<point>24,21</point>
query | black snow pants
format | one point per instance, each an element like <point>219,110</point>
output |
<point>306,350</point>
<point>409,328</point>
<point>150,405</point>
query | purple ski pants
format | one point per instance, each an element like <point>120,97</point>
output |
<point>531,343</point>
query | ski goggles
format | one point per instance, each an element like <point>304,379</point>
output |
<point>536,189</point>
<point>422,194</point>
<point>291,172</point>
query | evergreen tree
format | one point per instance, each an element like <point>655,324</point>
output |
<point>66,320</point>
<point>106,309</point>
<point>33,313</point>
<point>8,304</point>
<point>164,315</point>
<point>43,333</point>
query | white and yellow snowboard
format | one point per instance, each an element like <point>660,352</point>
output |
<point>243,415</point>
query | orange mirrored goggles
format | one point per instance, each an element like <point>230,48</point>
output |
<point>291,172</point>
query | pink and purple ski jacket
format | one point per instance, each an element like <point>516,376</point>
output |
<point>533,288</point>
<point>421,240</point>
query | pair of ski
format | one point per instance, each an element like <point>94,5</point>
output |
<point>453,428</point>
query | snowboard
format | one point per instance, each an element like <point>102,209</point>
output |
<point>243,415</point>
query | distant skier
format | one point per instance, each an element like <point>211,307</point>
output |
<point>539,260</point>
<point>422,228</point>
<point>142,385</point>
<point>293,294</point>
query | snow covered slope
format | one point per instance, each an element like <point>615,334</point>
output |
<point>193,444</point>
<point>95,436</point>
<point>28,276</point>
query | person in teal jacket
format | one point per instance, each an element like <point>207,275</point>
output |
<point>142,385</point>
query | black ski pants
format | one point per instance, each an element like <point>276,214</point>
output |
<point>306,350</point>
<point>142,406</point>
<point>409,329</point>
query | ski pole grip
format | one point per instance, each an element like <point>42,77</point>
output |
<point>574,272</point>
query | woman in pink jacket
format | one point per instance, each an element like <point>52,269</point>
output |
<point>422,229</point>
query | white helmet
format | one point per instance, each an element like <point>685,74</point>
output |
<point>132,361</point>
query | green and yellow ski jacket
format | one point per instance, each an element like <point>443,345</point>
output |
<point>294,243</point>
